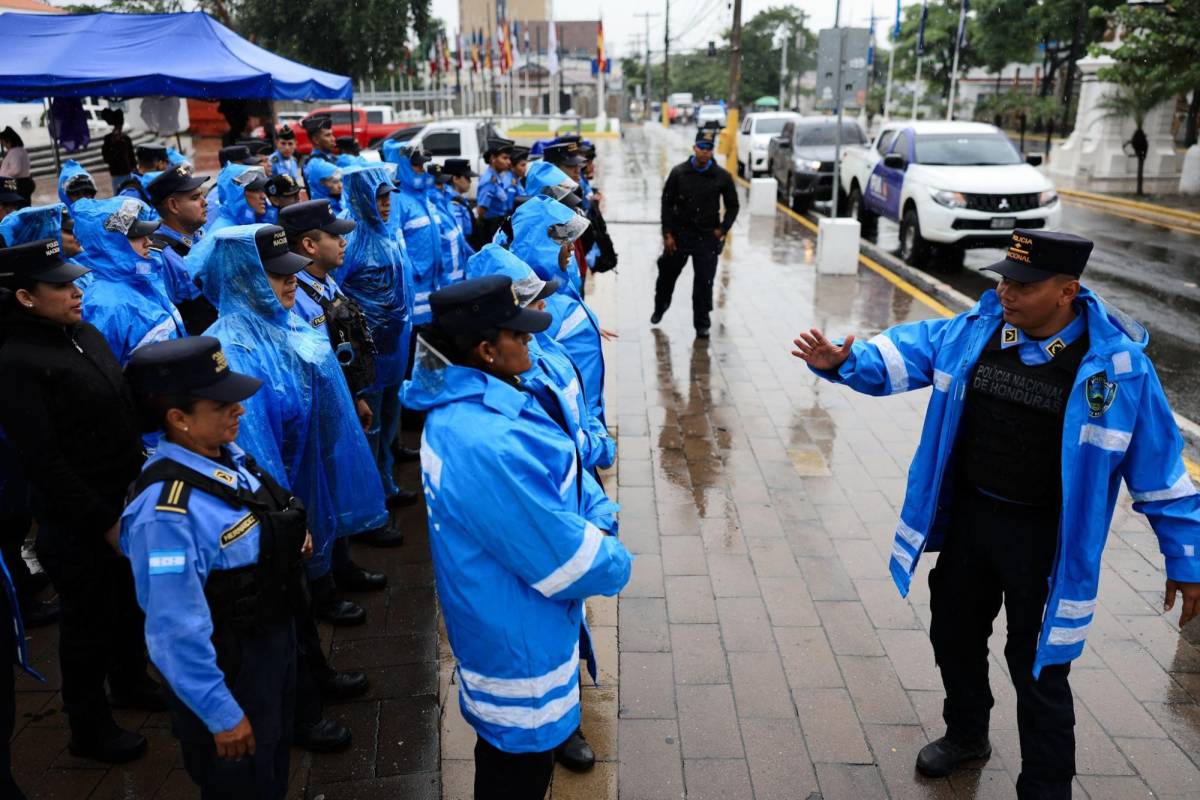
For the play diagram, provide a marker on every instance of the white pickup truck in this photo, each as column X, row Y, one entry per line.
column 951, row 186
column 449, row 138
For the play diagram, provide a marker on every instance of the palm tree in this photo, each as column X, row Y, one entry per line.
column 1138, row 89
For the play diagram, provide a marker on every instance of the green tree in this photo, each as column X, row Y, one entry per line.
column 1140, row 87
column 937, row 63
column 760, row 73
column 1168, row 37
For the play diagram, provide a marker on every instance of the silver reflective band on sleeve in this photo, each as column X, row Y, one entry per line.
column 521, row 716
column 159, row 333
column 1180, row 488
column 576, row 566
column 526, row 688
column 910, row 535
column 1105, row 438
column 431, row 464
column 422, row 296
column 1068, row 635
column 902, row 557
column 568, row 481
column 572, row 322
column 423, row 309
column 897, row 372
column 1076, row 609
column 572, row 395
column 414, row 224
column 941, row 380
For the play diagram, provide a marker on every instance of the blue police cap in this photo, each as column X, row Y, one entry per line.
column 706, row 138
column 194, row 366
column 39, row 260
column 1037, row 255
column 272, row 244
column 172, row 181
column 482, row 303
column 313, row 215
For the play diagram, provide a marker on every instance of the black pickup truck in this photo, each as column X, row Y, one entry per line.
column 800, row 158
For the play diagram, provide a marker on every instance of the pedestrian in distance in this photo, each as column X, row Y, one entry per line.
column 69, row 415
column 693, row 227
column 117, row 150
column 15, row 164
column 524, row 533
column 1043, row 402
column 283, row 160
column 216, row 546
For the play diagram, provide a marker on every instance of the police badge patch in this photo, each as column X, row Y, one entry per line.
column 1100, row 394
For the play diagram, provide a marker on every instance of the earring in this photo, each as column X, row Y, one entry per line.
column 29, row 305
column 491, row 360
column 186, row 428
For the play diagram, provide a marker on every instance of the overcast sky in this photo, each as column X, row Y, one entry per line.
column 693, row 22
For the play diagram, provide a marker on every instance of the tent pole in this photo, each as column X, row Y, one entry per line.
column 352, row 115
column 53, row 138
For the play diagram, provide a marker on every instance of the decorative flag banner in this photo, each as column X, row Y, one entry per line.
column 921, row 28
column 962, row 24
column 552, row 50
column 601, row 63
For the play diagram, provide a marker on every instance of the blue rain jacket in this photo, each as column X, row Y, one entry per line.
column 463, row 213
column 542, row 174
column 496, row 193
column 172, row 555
column 143, row 181
column 126, row 299
column 31, row 224
column 315, row 171
column 172, row 268
column 376, row 275
column 518, row 539
column 301, row 425
column 175, row 158
column 551, row 362
column 70, row 169
column 285, row 166
column 533, row 245
column 233, row 208
column 1117, row 426
column 455, row 249
column 414, row 217
column 344, row 160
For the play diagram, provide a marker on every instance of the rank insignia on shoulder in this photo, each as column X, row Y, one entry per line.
column 174, row 497
column 318, row 321
column 1009, row 336
column 240, row 529
column 1100, row 393
column 1055, row 347
column 225, row 477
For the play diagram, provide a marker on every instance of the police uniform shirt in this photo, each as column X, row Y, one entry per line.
column 310, row 310
column 175, row 536
column 462, row 205
column 285, row 166
column 496, row 194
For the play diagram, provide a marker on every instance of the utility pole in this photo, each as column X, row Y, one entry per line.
column 646, row 17
column 735, row 77
column 666, row 112
column 783, row 73
column 839, row 95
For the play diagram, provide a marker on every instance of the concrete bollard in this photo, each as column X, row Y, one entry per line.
column 762, row 197
column 837, row 246
column 1189, row 178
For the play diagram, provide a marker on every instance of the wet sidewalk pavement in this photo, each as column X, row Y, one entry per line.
column 764, row 651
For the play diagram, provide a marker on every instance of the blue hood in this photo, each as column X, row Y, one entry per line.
column 31, row 224
column 108, row 252
column 175, row 158
column 234, row 208
column 318, row 170
column 232, row 262
column 542, row 174
column 408, row 179
column 495, row 260
column 346, row 160
column 436, row 382
column 360, row 187
column 69, row 170
column 532, row 243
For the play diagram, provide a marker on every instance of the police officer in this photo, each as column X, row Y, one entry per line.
column 282, row 191
column 283, row 160
column 320, row 132
column 693, row 228
column 178, row 197
column 151, row 160
column 496, row 194
column 459, row 172
column 216, row 546
column 1043, row 399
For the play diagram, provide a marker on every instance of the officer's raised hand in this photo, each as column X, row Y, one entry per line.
column 235, row 743
column 669, row 244
column 1191, row 600
column 818, row 352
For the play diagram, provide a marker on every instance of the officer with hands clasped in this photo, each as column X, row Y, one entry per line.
column 216, row 547
column 1043, row 400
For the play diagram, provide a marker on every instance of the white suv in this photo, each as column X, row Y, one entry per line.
column 755, row 134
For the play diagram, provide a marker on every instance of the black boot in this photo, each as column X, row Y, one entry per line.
column 386, row 536
column 575, row 753
column 114, row 746
column 343, row 685
column 403, row 499
column 353, row 578
column 942, row 757
column 325, row 736
column 404, row 455
column 40, row 613
column 145, row 695
column 656, row 317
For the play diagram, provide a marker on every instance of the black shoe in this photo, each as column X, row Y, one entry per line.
column 354, row 578
column 942, row 757
column 34, row 584
column 656, row 317
column 147, row 695
column 404, row 455
column 386, row 536
column 340, row 613
column 343, row 685
column 39, row 613
column 403, row 499
column 701, row 333
column 325, row 736
column 575, row 753
column 118, row 746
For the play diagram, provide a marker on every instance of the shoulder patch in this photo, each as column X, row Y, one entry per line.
column 318, row 321
column 239, row 529
column 220, row 474
column 167, row 562
column 174, row 497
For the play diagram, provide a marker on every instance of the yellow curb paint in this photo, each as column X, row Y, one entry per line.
column 1103, row 209
column 1165, row 211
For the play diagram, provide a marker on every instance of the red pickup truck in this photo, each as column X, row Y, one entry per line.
column 371, row 124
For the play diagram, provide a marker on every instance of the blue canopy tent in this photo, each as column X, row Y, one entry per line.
column 136, row 55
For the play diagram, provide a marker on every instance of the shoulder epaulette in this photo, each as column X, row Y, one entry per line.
column 174, row 497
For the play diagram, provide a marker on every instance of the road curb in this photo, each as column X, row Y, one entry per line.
column 1137, row 205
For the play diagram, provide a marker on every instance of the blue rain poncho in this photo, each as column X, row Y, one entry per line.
column 175, row 158
column 533, row 245
column 551, row 362
column 317, row 170
column 69, row 170
column 126, row 299
column 518, row 534
column 542, row 174
column 455, row 249
column 414, row 219
column 375, row 274
column 233, row 210
column 347, row 160
column 301, row 425
column 31, row 224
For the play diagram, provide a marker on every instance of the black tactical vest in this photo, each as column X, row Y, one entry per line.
column 350, row 337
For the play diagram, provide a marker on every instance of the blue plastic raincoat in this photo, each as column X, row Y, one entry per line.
column 317, row 170
column 233, row 208
column 31, row 224
column 70, row 169
column 175, row 158
column 301, row 425
column 496, row 193
column 518, row 533
column 415, row 217
column 1117, row 426
column 126, row 299
column 551, row 362
column 375, row 274
column 542, row 174
column 455, row 249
